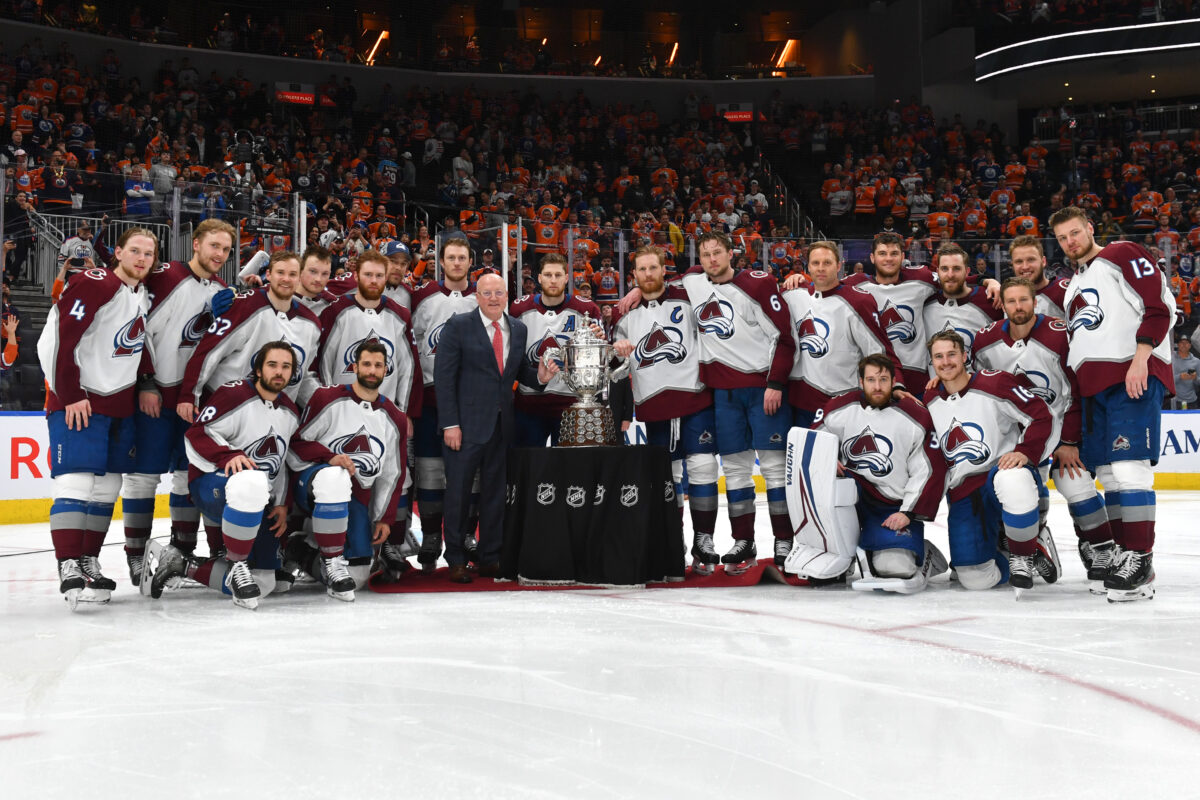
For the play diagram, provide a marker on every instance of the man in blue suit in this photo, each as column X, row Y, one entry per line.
column 480, row 356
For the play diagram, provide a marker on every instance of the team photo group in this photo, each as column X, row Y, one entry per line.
column 309, row 424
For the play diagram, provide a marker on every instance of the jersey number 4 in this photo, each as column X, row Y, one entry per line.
column 77, row 311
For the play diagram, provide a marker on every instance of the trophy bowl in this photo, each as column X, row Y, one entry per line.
column 586, row 369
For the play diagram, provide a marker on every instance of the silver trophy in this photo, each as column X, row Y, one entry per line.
column 587, row 369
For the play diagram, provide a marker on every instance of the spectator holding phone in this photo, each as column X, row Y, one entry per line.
column 1185, row 365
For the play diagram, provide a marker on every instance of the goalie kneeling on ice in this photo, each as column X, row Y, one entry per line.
column 824, row 516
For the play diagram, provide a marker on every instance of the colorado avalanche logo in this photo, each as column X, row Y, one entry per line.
column 194, row 329
column 715, row 316
column 1085, row 311
column 130, row 339
column 899, row 323
column 964, row 442
column 868, row 452
column 547, row 342
column 348, row 353
column 1038, row 383
column 813, row 334
column 966, row 334
column 434, row 337
column 365, row 450
column 267, row 453
column 660, row 344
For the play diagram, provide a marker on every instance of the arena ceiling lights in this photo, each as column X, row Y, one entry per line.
column 1077, row 45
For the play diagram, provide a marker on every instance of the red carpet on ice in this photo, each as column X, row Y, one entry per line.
column 416, row 581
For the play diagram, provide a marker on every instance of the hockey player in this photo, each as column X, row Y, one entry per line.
column 1029, row 262
column 551, row 317
column 887, row 444
column 993, row 433
column 313, row 289
column 835, row 326
column 432, row 305
column 89, row 351
column 399, row 258
column 746, row 353
column 665, row 370
column 1034, row 347
column 957, row 306
column 236, row 450
column 184, row 300
column 349, row 460
column 256, row 317
column 1120, row 312
column 364, row 316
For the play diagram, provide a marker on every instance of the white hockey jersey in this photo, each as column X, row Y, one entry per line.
column 91, row 345
column 993, row 415
column 1121, row 297
column 892, row 453
column 374, row 435
column 231, row 341
column 966, row 316
column 550, row 326
column 346, row 324
column 236, row 420
column 665, row 363
column 1040, row 360
column 433, row 305
column 833, row 331
column 1050, row 299
column 177, row 321
column 901, row 306
column 745, row 330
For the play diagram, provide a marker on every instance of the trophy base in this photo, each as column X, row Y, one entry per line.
column 587, row 427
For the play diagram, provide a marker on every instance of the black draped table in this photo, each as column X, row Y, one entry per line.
column 603, row 516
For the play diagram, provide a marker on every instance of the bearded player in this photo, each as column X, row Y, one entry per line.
column 1120, row 312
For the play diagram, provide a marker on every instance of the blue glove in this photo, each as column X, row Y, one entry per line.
column 221, row 302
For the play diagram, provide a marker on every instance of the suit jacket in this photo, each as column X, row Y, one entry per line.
column 471, row 392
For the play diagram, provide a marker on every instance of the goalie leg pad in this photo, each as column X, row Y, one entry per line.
column 821, row 506
column 933, row 564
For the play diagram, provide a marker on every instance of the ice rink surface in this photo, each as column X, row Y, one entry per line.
column 769, row 691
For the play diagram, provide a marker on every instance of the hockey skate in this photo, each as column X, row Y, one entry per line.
column 1099, row 559
column 782, row 548
column 241, row 585
column 1132, row 578
column 1021, row 571
column 1045, row 560
column 338, row 583
column 163, row 568
column 392, row 561
column 430, row 552
column 704, row 557
column 135, row 560
column 741, row 557
column 99, row 586
column 298, row 557
column 71, row 581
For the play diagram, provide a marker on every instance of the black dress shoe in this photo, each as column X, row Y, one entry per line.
column 458, row 574
column 489, row 570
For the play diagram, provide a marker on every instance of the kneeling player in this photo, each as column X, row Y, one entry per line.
column 348, row 457
column 236, row 471
column 886, row 443
column 993, row 433
column 1034, row 346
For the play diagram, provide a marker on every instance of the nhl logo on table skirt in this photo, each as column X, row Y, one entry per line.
column 668, row 491
column 576, row 496
column 629, row 495
column 545, row 493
